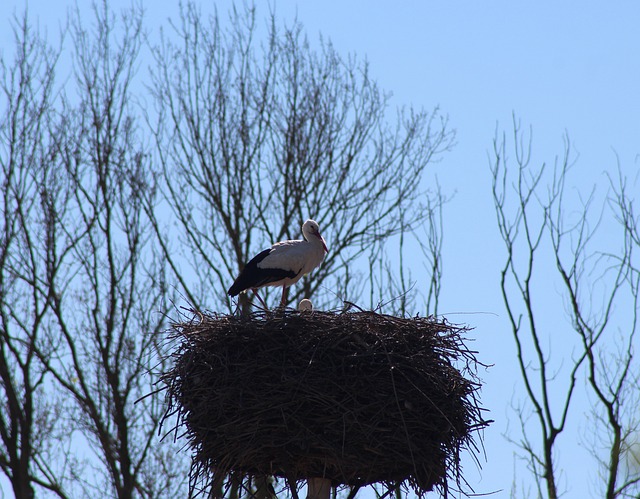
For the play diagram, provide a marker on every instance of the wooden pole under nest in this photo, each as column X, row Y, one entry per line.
column 317, row 488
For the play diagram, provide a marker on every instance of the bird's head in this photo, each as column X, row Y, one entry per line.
column 311, row 229
column 305, row 305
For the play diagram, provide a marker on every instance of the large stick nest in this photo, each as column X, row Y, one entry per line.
column 356, row 397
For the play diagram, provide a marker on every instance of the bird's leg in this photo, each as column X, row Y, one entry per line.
column 283, row 301
column 264, row 305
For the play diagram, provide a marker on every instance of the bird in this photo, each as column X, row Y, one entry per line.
column 305, row 305
column 283, row 264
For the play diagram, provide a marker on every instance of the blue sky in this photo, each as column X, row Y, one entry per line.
column 559, row 66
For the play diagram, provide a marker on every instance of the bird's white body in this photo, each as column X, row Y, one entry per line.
column 300, row 256
column 284, row 263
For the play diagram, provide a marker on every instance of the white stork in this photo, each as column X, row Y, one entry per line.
column 283, row 264
column 305, row 305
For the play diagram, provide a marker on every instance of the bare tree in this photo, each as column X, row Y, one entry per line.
column 28, row 425
column 597, row 283
column 614, row 376
column 256, row 134
column 109, row 315
column 83, row 294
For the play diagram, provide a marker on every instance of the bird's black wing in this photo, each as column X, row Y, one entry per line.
column 253, row 276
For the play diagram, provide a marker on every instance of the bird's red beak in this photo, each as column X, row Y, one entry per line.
column 324, row 245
